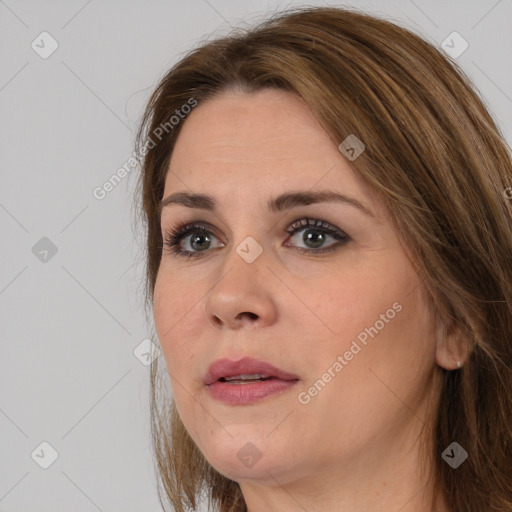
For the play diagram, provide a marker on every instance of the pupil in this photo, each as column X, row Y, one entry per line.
column 317, row 241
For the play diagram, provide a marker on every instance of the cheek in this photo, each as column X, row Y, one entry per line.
column 177, row 315
column 176, row 329
column 389, row 357
column 350, row 301
column 381, row 308
column 375, row 384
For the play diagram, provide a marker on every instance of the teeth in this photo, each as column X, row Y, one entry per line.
column 254, row 376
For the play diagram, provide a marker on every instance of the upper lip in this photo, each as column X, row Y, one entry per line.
column 245, row 366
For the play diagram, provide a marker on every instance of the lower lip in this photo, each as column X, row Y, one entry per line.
column 242, row 394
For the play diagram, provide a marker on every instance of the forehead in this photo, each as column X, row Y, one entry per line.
column 250, row 127
column 259, row 144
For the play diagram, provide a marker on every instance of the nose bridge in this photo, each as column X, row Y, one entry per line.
column 245, row 259
column 248, row 232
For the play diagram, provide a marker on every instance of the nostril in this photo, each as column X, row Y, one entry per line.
column 252, row 316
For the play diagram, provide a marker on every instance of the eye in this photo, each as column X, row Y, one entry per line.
column 315, row 233
column 198, row 237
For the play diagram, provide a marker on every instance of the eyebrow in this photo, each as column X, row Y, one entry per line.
column 277, row 204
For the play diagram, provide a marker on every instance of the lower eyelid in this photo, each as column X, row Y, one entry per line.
column 333, row 246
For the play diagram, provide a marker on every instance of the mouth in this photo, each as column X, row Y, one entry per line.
column 246, row 381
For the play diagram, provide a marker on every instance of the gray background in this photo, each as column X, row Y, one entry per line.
column 72, row 320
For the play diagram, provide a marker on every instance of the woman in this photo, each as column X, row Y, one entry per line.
column 330, row 272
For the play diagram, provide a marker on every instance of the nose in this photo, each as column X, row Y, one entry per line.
column 244, row 295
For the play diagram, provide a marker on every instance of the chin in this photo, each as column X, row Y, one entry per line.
column 258, row 469
column 253, row 457
column 245, row 454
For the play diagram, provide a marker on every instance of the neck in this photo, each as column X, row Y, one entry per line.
column 386, row 489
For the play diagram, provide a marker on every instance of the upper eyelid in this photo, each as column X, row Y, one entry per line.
column 297, row 225
column 318, row 223
column 173, row 225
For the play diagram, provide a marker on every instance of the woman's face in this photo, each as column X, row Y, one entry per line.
column 349, row 327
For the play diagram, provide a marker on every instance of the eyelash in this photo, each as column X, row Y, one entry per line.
column 175, row 235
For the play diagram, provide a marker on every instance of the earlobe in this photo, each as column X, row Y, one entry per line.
column 451, row 348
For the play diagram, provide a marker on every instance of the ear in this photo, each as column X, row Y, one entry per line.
column 452, row 347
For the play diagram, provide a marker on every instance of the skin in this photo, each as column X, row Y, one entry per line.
column 355, row 445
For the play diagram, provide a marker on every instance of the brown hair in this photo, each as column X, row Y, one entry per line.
column 439, row 163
